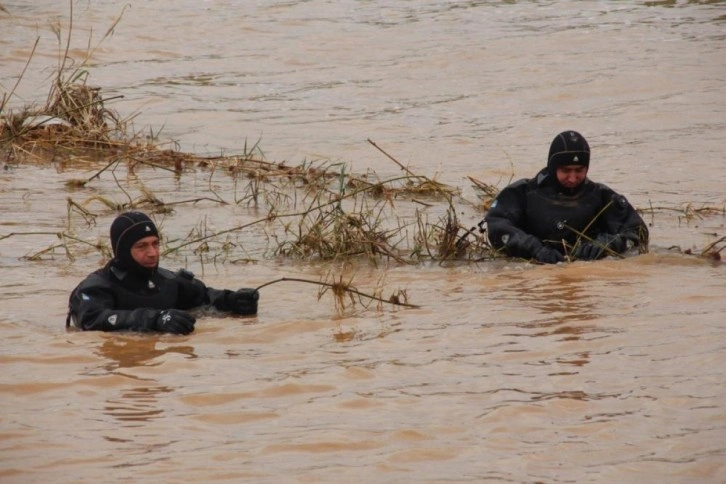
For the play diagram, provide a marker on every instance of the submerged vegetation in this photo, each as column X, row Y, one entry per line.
column 310, row 211
column 314, row 210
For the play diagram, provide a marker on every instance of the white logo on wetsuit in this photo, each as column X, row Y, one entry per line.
column 112, row 319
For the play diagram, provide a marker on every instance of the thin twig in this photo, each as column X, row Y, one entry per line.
column 20, row 77
column 98, row 173
column 15, row 234
column 334, row 286
column 712, row 246
column 393, row 159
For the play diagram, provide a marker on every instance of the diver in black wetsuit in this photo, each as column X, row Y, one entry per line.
column 560, row 212
column 132, row 293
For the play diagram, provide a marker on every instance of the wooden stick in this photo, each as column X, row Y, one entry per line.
column 334, row 286
column 394, row 160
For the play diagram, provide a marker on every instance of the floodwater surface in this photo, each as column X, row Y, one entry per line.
column 607, row 371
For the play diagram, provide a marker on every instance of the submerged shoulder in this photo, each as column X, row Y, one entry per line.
column 608, row 194
column 166, row 273
column 95, row 283
column 600, row 187
column 99, row 278
column 603, row 188
column 517, row 187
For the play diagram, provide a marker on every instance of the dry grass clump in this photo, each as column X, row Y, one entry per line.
column 327, row 231
column 484, row 191
column 74, row 117
column 445, row 240
column 76, row 122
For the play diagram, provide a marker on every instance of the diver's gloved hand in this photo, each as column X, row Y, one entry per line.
column 548, row 255
column 175, row 321
column 597, row 248
column 242, row 301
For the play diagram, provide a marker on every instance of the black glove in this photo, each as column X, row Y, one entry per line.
column 596, row 249
column 242, row 301
column 175, row 321
column 548, row 255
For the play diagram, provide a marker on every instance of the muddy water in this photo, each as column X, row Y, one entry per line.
column 610, row 371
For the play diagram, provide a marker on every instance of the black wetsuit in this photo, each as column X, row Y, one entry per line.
column 534, row 212
column 111, row 299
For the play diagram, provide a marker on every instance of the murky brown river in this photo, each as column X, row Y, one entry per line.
column 608, row 371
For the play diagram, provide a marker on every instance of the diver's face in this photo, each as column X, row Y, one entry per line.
column 571, row 176
column 146, row 251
